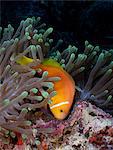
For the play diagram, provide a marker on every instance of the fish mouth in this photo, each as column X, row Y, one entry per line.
column 60, row 116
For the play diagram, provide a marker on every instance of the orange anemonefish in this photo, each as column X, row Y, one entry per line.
column 65, row 88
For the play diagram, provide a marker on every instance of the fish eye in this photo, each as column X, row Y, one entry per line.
column 61, row 110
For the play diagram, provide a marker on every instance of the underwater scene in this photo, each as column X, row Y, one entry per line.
column 56, row 75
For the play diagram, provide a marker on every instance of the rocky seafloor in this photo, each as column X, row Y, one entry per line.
column 89, row 128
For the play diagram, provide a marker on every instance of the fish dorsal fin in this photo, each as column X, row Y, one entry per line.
column 48, row 61
column 51, row 62
column 24, row 60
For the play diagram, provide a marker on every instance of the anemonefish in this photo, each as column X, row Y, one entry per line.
column 65, row 88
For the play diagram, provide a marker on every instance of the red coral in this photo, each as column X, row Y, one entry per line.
column 19, row 137
column 110, row 131
column 103, row 137
column 96, row 139
column 43, row 145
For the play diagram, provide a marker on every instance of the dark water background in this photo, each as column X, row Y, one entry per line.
column 74, row 21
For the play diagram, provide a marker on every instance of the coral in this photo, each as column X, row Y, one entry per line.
column 103, row 138
column 86, row 123
column 25, row 93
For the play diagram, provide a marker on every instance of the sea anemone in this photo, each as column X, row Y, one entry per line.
column 18, row 83
column 23, row 91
